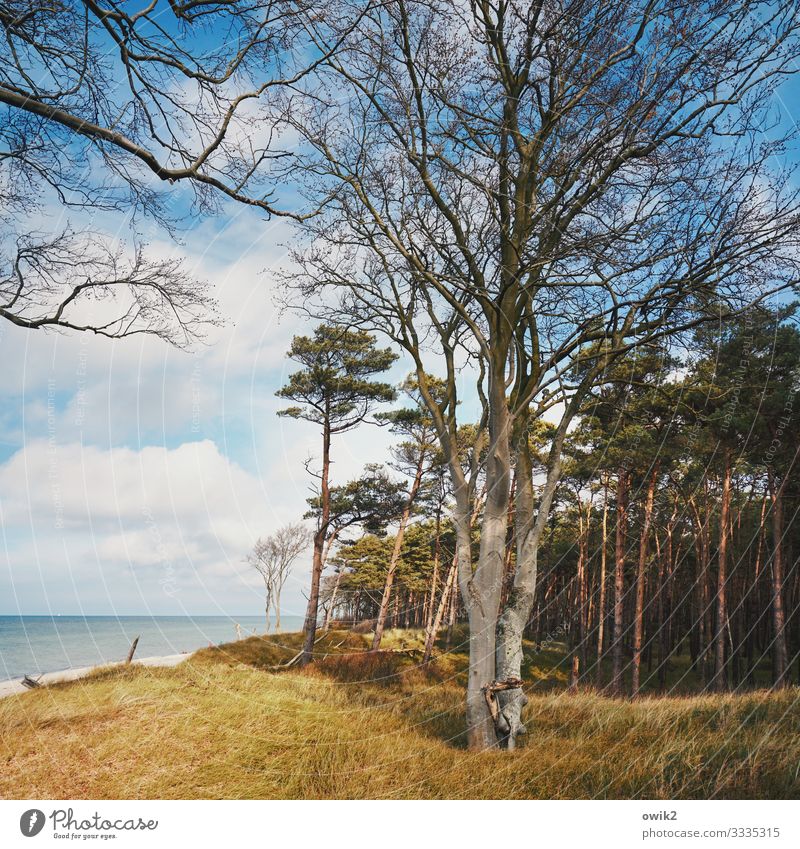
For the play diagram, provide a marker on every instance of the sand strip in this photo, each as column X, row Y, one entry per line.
column 14, row 686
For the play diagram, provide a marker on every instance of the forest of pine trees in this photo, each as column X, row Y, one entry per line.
column 669, row 562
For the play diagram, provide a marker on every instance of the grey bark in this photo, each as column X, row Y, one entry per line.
column 511, row 626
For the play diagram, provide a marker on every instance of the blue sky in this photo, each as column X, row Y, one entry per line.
column 134, row 477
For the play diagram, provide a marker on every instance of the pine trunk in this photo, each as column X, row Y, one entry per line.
column 641, row 578
column 720, row 680
column 780, row 653
column 318, row 562
column 601, row 604
column 619, row 585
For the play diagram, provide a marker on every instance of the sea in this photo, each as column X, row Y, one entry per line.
column 30, row 645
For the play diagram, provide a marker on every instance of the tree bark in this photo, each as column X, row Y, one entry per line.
column 437, row 556
column 619, row 584
column 436, row 624
column 383, row 610
column 583, row 587
column 720, row 680
column 528, row 533
column 267, row 605
column 661, row 630
column 780, row 653
column 641, row 578
column 701, row 588
column 601, row 604
column 310, row 624
column 482, row 589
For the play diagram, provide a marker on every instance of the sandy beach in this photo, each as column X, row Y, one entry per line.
column 14, row 686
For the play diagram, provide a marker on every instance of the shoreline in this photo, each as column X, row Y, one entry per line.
column 14, row 686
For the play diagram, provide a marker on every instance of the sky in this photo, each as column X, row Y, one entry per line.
column 135, row 477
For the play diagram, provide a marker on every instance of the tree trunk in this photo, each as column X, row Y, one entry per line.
column 619, row 584
column 332, row 603
column 398, row 546
column 437, row 556
column 601, row 604
column 512, row 622
column 720, row 680
column 267, row 606
column 310, row 624
column 436, row 624
column 641, row 576
column 583, row 593
column 753, row 592
column 508, row 567
column 481, row 589
column 528, row 532
column 661, row 629
column 701, row 588
column 781, row 655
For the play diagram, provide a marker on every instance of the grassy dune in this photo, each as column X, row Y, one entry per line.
column 227, row 725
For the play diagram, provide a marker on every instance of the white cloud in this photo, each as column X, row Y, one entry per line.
column 124, row 518
column 125, row 460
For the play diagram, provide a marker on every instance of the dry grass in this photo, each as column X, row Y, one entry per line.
column 225, row 725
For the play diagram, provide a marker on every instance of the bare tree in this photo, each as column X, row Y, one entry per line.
column 525, row 192
column 272, row 557
column 100, row 106
column 178, row 90
column 80, row 282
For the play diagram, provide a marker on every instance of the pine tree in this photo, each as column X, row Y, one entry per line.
column 335, row 389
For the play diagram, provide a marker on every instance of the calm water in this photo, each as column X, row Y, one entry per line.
column 33, row 644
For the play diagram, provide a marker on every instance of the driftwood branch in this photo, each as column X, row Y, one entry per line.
column 298, row 655
column 132, row 651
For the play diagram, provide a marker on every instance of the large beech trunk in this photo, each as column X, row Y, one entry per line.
column 512, row 622
column 515, row 616
column 482, row 614
column 481, row 587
